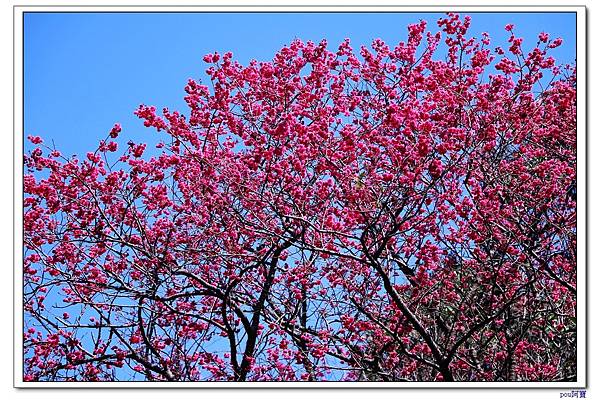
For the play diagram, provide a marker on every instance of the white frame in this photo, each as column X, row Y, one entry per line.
column 228, row 7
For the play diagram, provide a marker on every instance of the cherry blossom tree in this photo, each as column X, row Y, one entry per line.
column 396, row 214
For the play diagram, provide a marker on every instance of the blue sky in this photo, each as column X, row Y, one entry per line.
column 85, row 71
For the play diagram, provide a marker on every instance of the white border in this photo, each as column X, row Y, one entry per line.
column 581, row 196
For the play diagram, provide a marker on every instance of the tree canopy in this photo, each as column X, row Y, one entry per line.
column 400, row 213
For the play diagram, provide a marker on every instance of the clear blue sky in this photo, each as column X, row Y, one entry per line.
column 86, row 71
